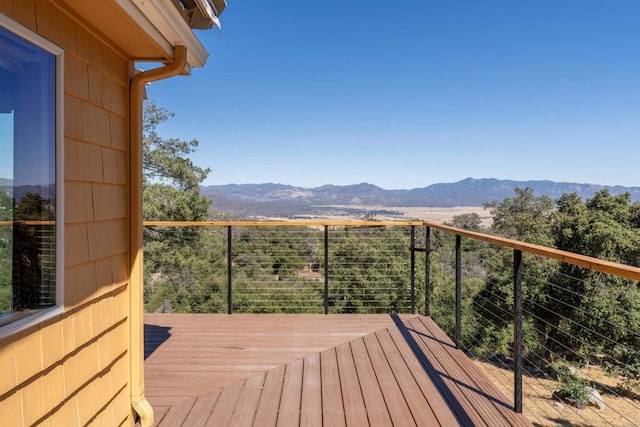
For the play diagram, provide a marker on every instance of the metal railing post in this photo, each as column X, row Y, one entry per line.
column 326, row 269
column 427, row 267
column 413, row 269
column 517, row 330
column 229, row 276
column 458, row 331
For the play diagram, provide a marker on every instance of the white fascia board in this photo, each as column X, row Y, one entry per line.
column 164, row 23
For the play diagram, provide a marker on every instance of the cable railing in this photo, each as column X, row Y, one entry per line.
column 283, row 267
column 556, row 330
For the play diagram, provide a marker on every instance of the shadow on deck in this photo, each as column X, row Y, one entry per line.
column 331, row 370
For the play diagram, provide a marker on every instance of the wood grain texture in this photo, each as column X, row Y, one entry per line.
column 324, row 370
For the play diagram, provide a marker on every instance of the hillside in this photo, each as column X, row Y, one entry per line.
column 285, row 200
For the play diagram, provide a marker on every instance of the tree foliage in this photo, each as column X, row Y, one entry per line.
column 177, row 272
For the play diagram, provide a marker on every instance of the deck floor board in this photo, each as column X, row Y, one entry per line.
column 333, row 370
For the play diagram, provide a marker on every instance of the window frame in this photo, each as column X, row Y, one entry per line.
column 37, row 316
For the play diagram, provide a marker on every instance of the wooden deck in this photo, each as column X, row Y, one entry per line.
column 331, row 370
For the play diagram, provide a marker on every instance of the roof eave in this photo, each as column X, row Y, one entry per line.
column 162, row 21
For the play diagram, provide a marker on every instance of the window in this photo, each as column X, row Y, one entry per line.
column 30, row 176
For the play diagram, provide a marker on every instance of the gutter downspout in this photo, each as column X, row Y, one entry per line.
column 136, row 94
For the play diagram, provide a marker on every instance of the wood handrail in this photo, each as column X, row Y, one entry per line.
column 280, row 223
column 29, row 222
column 597, row 264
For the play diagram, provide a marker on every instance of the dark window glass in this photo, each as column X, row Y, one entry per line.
column 27, row 176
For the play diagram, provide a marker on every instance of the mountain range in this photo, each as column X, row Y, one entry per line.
column 284, row 200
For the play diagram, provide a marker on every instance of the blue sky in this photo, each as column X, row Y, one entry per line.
column 409, row 93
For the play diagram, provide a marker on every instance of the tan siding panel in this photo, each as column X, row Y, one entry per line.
column 84, row 39
column 78, row 202
column 116, row 97
column 120, row 268
column 99, row 54
column 6, row 8
column 88, row 405
column 120, row 236
column 73, row 117
column 119, row 68
column 7, row 361
column 123, row 170
column 76, row 79
column 28, row 356
column 96, row 125
column 71, row 160
column 75, row 373
column 68, row 34
column 119, row 132
column 33, row 397
column 76, row 250
column 70, row 291
column 100, row 240
column 68, row 414
column 53, row 341
column 104, row 276
column 110, row 165
column 11, row 410
column 110, row 201
column 25, row 13
column 105, row 311
column 86, row 289
column 96, row 86
column 83, row 329
column 48, row 21
column 120, row 306
column 54, row 391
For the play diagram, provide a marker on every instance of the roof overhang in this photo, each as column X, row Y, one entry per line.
column 148, row 30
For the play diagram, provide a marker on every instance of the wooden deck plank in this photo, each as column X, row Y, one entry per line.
column 393, row 397
column 202, row 409
column 482, row 395
column 450, row 383
column 328, row 370
column 178, row 412
column 289, row 409
column 225, row 405
column 267, row 411
column 332, row 399
column 436, row 402
column 245, row 411
column 416, row 400
column 159, row 412
column 355, row 410
column 498, row 400
column 311, row 405
column 373, row 399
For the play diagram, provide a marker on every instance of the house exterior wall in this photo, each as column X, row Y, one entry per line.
column 74, row 369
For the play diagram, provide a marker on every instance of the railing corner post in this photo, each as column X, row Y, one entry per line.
column 458, row 331
column 229, row 275
column 427, row 267
column 517, row 330
column 326, row 269
column 413, row 269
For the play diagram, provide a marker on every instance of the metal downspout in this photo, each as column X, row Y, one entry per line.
column 136, row 93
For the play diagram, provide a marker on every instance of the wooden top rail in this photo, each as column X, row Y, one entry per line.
column 12, row 223
column 622, row 270
column 279, row 223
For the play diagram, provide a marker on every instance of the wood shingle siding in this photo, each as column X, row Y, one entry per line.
column 74, row 369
